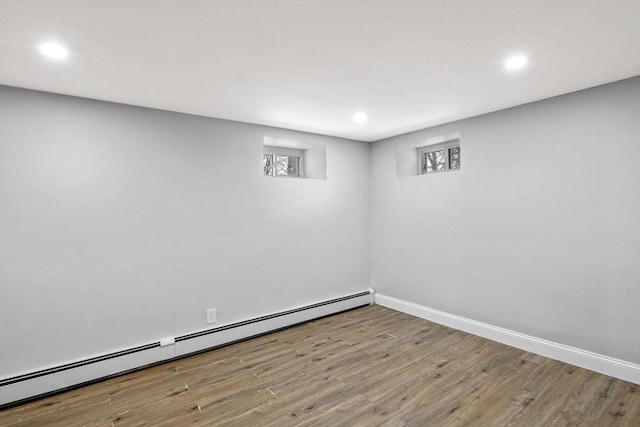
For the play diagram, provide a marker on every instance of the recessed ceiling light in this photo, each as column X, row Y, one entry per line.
column 516, row 62
column 54, row 50
column 360, row 117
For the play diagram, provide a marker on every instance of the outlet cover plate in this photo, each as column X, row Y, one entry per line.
column 211, row 315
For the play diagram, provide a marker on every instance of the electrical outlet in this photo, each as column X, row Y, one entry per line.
column 211, row 315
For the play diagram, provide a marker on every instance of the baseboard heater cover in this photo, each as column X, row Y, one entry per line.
column 19, row 389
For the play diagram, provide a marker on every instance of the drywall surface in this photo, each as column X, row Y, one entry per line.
column 121, row 225
column 539, row 232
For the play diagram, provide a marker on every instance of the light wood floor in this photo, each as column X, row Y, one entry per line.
column 367, row 367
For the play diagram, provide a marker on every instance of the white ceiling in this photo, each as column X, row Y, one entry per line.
column 310, row 65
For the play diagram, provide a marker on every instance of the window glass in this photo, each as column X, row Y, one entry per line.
column 287, row 166
column 267, row 164
column 454, row 158
column 433, row 161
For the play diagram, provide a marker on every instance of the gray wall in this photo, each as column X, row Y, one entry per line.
column 121, row 225
column 539, row 232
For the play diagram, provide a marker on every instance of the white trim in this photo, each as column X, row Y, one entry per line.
column 90, row 372
column 617, row 368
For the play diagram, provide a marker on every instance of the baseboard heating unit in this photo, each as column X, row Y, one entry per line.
column 40, row 383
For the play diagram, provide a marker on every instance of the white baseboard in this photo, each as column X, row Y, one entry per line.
column 621, row 369
column 38, row 383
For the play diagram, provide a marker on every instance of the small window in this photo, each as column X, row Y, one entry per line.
column 280, row 164
column 288, row 158
column 439, row 157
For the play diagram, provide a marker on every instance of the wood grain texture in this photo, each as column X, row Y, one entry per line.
column 366, row 367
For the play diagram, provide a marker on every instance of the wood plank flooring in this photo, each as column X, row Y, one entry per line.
column 367, row 367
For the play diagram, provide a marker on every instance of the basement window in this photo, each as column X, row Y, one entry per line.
column 286, row 158
column 281, row 165
column 282, row 162
column 439, row 157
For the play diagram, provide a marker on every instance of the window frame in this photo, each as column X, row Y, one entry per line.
column 443, row 146
column 283, row 152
